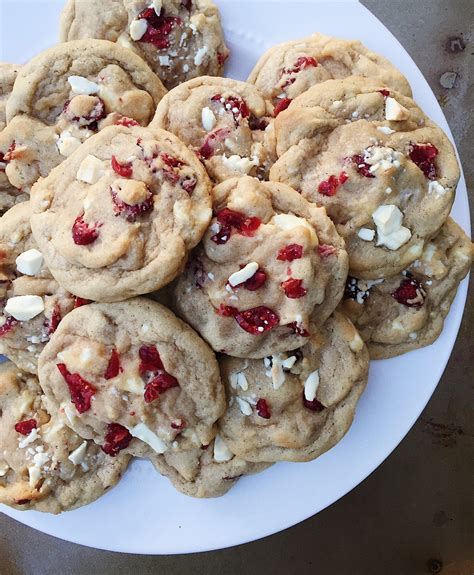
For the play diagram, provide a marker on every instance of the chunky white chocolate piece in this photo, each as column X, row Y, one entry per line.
column 366, row 234
column 145, row 434
column 244, row 406
column 164, row 60
column 208, row 119
column 30, row 262
column 91, row 170
column 278, row 375
column 289, row 362
column 385, row 130
column 244, row 274
column 290, row 221
column 83, row 86
column 138, row 29
column 30, row 438
column 436, row 188
column 77, row 456
column 34, row 476
column 157, row 5
column 311, row 386
column 239, row 164
column 200, row 55
column 394, row 111
column 25, row 307
column 67, row 143
column 356, row 344
column 221, row 452
column 395, row 240
column 387, row 218
column 132, row 192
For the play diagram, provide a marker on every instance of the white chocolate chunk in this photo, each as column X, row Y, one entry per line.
column 244, row 406
column 200, row 55
column 91, row 170
column 356, row 344
column 436, row 188
column 77, row 456
column 244, row 274
column 25, row 307
column 394, row 111
column 4, row 467
column 290, row 221
column 366, row 234
column 34, row 476
column 385, row 130
column 67, row 143
column 164, row 60
column 242, row 381
column 278, row 375
column 311, row 386
column 157, row 5
column 239, row 164
column 138, row 29
column 40, row 459
column 395, row 240
column 387, row 218
column 289, row 362
column 81, row 85
column 30, row 262
column 208, row 119
column 221, row 452
column 30, row 438
column 141, row 431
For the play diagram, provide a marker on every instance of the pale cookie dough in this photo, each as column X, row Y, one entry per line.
column 268, row 263
column 8, row 74
column 289, row 69
column 43, row 464
column 385, row 173
column 132, row 376
column 407, row 311
column 31, row 302
column 180, row 39
column 226, row 122
column 295, row 406
column 119, row 216
column 65, row 95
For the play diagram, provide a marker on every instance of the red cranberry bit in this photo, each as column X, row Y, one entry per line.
column 293, row 288
column 117, row 438
column 343, row 177
column 255, row 282
column 81, row 390
column 257, row 320
column 361, row 166
column 227, row 311
column 229, row 219
column 123, row 170
column 26, row 427
column 298, row 329
column 196, row 268
column 114, row 367
column 80, row 301
column 8, row 326
column 82, row 233
column 188, row 4
column 263, row 409
column 152, row 367
column 257, row 123
column 159, row 384
column 233, row 104
column 300, row 64
column 325, row 250
column 171, row 161
column 384, row 93
column 159, row 27
column 51, row 324
column 410, row 293
column 314, row 405
column 222, row 58
column 10, row 155
column 180, row 424
column 329, row 187
column 208, row 148
column 290, row 253
column 150, row 359
column 127, row 122
column 423, row 156
column 131, row 213
column 281, row 105
column 189, row 184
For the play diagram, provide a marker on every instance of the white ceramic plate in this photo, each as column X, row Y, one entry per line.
column 144, row 514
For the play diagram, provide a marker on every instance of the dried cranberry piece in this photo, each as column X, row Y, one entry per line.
column 222, row 58
column 229, row 219
column 127, row 122
column 180, row 426
column 301, row 63
column 343, row 177
column 257, row 123
column 314, row 405
column 293, row 288
column 98, row 113
column 361, row 166
column 255, row 282
column 227, row 311
column 26, row 427
column 281, row 105
column 117, row 438
column 123, row 170
column 410, row 293
column 298, row 329
column 384, row 93
column 189, row 184
column 82, row 233
column 152, row 367
column 233, row 104
column 9, row 324
column 131, row 213
column 325, row 250
column 196, row 268
column 188, row 4
column 150, row 360
column 263, row 410
column 80, row 301
column 423, row 156
column 114, row 367
column 159, row 384
column 290, row 253
column 159, row 27
column 10, row 155
column 2, row 161
column 329, row 187
column 208, row 148
column 81, row 390
column 257, row 320
column 171, row 161
column 52, row 323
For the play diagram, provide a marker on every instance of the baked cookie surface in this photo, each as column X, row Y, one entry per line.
column 297, row 405
column 43, row 464
column 226, row 122
column 407, row 311
column 268, row 263
column 179, row 40
column 384, row 172
column 119, row 216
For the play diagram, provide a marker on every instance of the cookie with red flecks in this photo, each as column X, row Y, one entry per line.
column 407, row 311
column 44, row 465
column 385, row 173
column 268, row 263
column 180, row 39
column 118, row 217
column 226, row 122
column 65, row 95
column 289, row 69
column 132, row 376
column 294, row 406
column 31, row 302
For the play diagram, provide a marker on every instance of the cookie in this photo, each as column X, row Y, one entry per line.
column 268, row 263
column 179, row 40
column 43, row 464
column 65, row 95
column 407, row 311
column 205, row 472
column 31, row 302
column 8, row 74
column 133, row 376
column 385, row 173
column 118, row 217
column 297, row 405
column 226, row 122
column 289, row 69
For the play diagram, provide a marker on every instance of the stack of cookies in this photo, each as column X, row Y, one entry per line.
column 198, row 277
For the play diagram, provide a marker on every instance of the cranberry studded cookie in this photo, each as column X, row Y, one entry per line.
column 407, row 311
column 384, row 172
column 268, row 263
column 67, row 94
column 133, row 376
column 289, row 69
column 226, row 122
column 180, row 39
column 297, row 405
column 31, row 302
column 118, row 217
column 44, row 465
